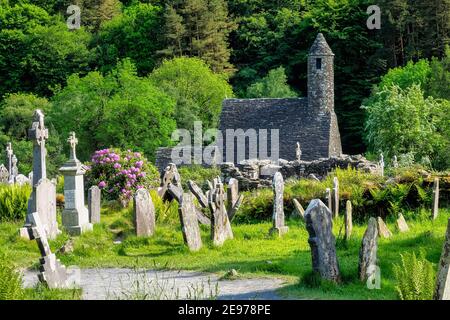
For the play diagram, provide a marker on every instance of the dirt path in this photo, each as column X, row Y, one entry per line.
column 99, row 284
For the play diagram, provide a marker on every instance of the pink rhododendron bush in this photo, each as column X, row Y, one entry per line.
column 120, row 173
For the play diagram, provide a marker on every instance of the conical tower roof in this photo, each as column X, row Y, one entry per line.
column 320, row 47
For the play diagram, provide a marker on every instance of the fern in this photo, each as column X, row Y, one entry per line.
column 10, row 281
column 13, row 201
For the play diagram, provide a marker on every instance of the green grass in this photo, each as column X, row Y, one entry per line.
column 252, row 252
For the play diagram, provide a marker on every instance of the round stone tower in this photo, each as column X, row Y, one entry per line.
column 320, row 76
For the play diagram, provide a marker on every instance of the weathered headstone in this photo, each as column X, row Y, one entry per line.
column 4, row 174
column 329, row 198
column 234, row 198
column 51, row 271
column 395, row 162
column 298, row 152
column 14, row 170
column 435, row 198
column 22, row 180
column 319, row 223
column 383, row 230
column 335, row 197
column 9, row 155
column 170, row 176
column 198, row 193
column 401, row 224
column 94, row 204
column 348, row 220
column 298, row 210
column 381, row 163
column 442, row 290
column 144, row 214
column 278, row 225
column 75, row 216
column 189, row 224
column 368, row 251
column 220, row 223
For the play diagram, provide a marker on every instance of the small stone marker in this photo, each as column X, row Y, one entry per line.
column 144, row 214
column 94, row 204
column 189, row 224
column 75, row 216
column 435, row 198
column 348, row 220
column 442, row 291
column 4, row 174
column 298, row 210
column 383, row 230
column 52, row 272
column 401, row 224
column 220, row 223
column 335, row 197
column 319, row 224
column 368, row 251
column 278, row 207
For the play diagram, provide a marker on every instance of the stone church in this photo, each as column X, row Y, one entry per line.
column 310, row 121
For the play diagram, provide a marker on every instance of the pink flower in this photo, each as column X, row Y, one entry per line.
column 102, row 184
column 117, row 166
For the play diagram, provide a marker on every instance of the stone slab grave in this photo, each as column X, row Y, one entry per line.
column 319, row 224
column 278, row 224
column 234, row 199
column 383, row 230
column 401, row 223
column 348, row 220
column 220, row 223
column 43, row 197
column 94, row 204
column 143, row 214
column 368, row 251
column 189, row 223
column 75, row 216
column 51, row 272
column 442, row 290
column 298, row 210
column 435, row 198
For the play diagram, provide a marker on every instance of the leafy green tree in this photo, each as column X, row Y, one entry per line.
column 117, row 110
column 96, row 12
column 274, row 85
column 198, row 91
column 439, row 84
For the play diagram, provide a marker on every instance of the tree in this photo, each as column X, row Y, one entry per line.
column 96, row 12
column 198, row 91
column 274, row 85
column 117, row 110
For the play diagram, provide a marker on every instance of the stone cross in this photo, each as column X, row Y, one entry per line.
column 381, row 162
column 189, row 224
column 144, row 214
column 9, row 154
column 73, row 141
column 94, row 204
column 319, row 224
column 435, row 198
column 442, row 291
column 38, row 134
column 368, row 251
column 348, row 220
column 278, row 206
column 395, row 162
column 298, row 152
column 335, row 197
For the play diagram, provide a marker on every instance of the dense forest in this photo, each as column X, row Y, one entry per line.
column 136, row 70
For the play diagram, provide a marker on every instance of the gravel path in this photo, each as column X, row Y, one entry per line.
column 100, row 284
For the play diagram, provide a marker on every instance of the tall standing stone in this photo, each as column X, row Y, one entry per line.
column 383, row 230
column 278, row 225
column 329, row 198
column 368, row 251
column 9, row 155
column 220, row 223
column 348, row 220
column 335, row 197
column 144, row 214
column 94, row 204
column 4, row 174
column 442, row 291
column 381, row 163
column 75, row 216
column 189, row 224
column 14, row 170
column 319, row 224
column 435, row 198
column 43, row 196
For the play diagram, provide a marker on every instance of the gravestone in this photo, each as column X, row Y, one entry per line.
column 381, row 163
column 319, row 224
column 335, row 197
column 442, row 290
column 395, row 162
column 401, row 224
column 170, row 176
column 298, row 152
column 329, row 198
column 43, row 197
column 189, row 224
column 51, row 272
column 383, row 230
column 22, row 180
column 278, row 225
column 348, row 220
column 220, row 223
column 298, row 210
column 94, row 204
column 4, row 174
column 143, row 214
column 435, row 198
column 75, row 216
column 9, row 155
column 234, row 199
column 14, row 170
column 198, row 193
column 368, row 251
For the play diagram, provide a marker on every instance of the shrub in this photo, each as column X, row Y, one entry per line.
column 415, row 278
column 10, row 280
column 121, row 173
column 198, row 174
column 14, row 202
column 166, row 212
